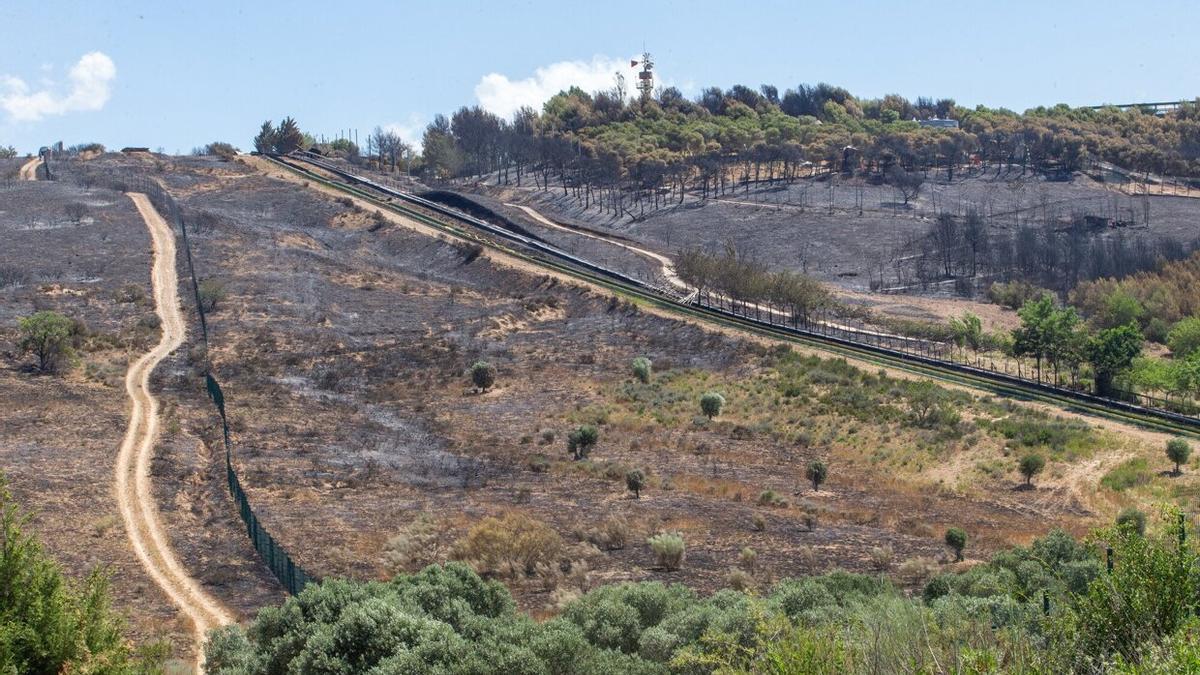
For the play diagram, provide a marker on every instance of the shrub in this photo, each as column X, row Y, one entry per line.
column 220, row 149
column 758, row 523
column 1015, row 294
column 1030, row 466
column 483, row 375
column 748, row 559
column 1178, row 451
column 816, row 472
column 417, row 544
column 771, row 498
column 581, row 441
column 642, row 369
column 668, row 550
column 75, row 211
column 510, row 545
column 711, row 404
column 612, row 534
column 47, row 335
column 810, row 520
column 956, row 539
column 882, row 557
column 1130, row 473
column 635, row 480
column 739, row 580
column 1132, row 519
column 212, row 292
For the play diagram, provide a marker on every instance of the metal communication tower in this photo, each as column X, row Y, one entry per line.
column 646, row 77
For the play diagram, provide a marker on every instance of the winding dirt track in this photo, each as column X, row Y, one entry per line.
column 134, row 496
column 29, row 169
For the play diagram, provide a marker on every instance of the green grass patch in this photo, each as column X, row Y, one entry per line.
column 1128, row 474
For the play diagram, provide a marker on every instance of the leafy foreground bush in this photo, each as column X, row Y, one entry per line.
column 50, row 623
column 989, row 619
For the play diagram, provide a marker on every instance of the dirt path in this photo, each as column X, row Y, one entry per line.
column 29, row 169
column 668, row 268
column 134, row 496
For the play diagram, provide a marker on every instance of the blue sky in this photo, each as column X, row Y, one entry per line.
column 177, row 75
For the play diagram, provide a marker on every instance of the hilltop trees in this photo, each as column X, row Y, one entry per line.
column 282, row 140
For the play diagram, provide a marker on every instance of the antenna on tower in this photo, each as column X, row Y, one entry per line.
column 646, row 77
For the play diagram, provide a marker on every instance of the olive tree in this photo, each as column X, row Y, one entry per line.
column 816, row 472
column 956, row 539
column 581, row 441
column 483, row 375
column 47, row 335
column 1178, row 451
column 1030, row 466
column 635, row 480
column 711, row 404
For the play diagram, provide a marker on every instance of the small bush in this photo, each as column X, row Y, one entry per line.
column 771, row 498
column 758, row 523
column 956, row 539
column 483, row 375
column 418, row 544
column 668, row 550
column 1178, row 451
column 882, row 557
column 816, row 472
column 635, row 480
column 581, row 441
column 612, row 534
column 48, row 336
column 212, row 293
column 810, row 520
column 748, row 559
column 739, row 580
column 711, row 404
column 539, row 463
column 642, row 369
column 1132, row 519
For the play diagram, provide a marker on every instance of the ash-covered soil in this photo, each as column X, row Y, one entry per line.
column 62, row 432
column 343, row 348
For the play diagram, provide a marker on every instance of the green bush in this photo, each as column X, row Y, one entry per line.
column 956, row 539
column 635, row 480
column 816, row 472
column 642, row 369
column 668, row 550
column 1132, row 520
column 211, row 294
column 581, row 441
column 51, row 623
column 711, row 404
column 483, row 375
column 1130, row 473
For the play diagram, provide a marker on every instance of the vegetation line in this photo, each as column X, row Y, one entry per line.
column 134, row 496
column 872, row 356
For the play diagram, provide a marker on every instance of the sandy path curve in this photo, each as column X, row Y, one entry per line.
column 29, row 169
column 134, row 496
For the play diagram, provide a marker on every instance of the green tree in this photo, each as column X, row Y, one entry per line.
column 1184, row 338
column 968, row 332
column 48, row 336
column 816, row 472
column 635, row 480
column 50, row 623
column 1178, row 451
column 1046, row 332
column 711, row 404
column 267, row 138
column 956, row 539
column 288, row 138
column 1111, row 352
column 483, row 375
column 581, row 441
column 1030, row 466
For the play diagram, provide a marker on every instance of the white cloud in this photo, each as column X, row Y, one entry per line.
column 410, row 131
column 90, row 88
column 502, row 96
